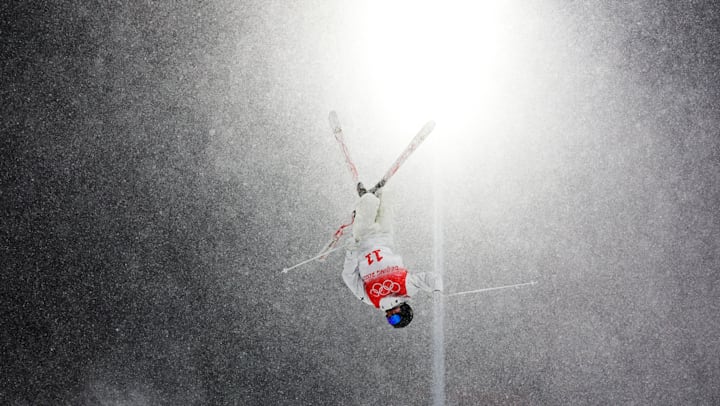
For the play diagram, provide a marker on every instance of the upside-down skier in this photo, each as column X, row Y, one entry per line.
column 372, row 270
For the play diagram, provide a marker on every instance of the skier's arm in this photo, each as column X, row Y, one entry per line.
column 351, row 276
column 427, row 281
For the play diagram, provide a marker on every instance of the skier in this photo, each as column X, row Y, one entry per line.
column 372, row 271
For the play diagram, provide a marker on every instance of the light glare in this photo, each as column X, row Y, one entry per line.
column 432, row 59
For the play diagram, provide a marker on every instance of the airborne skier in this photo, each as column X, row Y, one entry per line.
column 373, row 271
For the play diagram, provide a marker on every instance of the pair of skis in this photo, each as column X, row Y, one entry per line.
column 416, row 141
column 331, row 246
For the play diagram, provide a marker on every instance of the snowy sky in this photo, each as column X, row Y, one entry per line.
column 165, row 160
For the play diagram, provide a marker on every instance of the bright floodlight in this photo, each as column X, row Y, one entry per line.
column 434, row 59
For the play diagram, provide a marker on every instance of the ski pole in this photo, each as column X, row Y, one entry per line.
column 336, row 237
column 322, row 254
column 517, row 285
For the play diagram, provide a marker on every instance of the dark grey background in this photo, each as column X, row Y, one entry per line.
column 162, row 161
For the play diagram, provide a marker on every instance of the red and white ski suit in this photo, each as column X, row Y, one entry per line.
column 372, row 271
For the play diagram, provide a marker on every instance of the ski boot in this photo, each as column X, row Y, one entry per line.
column 375, row 189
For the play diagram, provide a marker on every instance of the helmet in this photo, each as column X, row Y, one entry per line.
column 401, row 318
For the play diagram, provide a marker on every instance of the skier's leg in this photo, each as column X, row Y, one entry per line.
column 385, row 213
column 365, row 214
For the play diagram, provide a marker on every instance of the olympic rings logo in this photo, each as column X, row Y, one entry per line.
column 385, row 288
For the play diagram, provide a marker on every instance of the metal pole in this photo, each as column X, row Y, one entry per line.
column 438, row 298
column 517, row 285
column 318, row 256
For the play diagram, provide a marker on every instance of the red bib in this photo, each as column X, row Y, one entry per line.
column 385, row 282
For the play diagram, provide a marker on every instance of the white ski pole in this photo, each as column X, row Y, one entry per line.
column 323, row 254
column 517, row 285
column 318, row 256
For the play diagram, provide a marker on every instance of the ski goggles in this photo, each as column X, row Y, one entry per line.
column 394, row 319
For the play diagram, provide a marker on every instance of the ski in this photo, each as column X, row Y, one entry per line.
column 416, row 141
column 340, row 137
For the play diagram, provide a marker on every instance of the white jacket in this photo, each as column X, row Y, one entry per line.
column 370, row 263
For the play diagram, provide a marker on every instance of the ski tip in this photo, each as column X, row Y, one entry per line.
column 426, row 130
column 334, row 122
